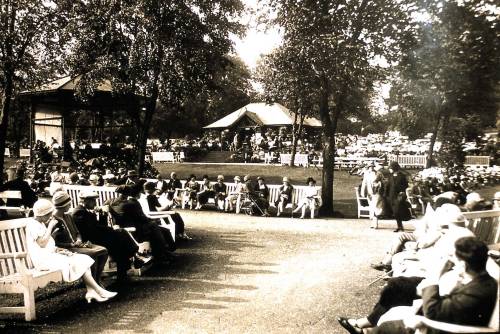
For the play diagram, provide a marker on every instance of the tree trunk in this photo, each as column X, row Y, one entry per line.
column 435, row 130
column 294, row 140
column 328, row 139
column 4, row 120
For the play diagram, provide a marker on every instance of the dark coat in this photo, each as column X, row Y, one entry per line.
column 118, row 243
column 28, row 195
column 395, row 193
column 470, row 304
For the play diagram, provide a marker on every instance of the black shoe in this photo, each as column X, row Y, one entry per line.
column 344, row 322
column 381, row 266
column 397, row 230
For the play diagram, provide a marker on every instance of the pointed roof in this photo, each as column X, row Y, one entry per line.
column 263, row 114
column 67, row 84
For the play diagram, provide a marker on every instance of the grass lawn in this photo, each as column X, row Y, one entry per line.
column 343, row 189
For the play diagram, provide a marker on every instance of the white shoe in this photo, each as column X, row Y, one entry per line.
column 108, row 294
column 93, row 295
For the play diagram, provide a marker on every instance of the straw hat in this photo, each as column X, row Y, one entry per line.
column 42, row 207
column 61, row 199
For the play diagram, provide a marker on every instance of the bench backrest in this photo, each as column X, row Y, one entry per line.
column 10, row 194
column 13, row 244
column 484, row 224
column 106, row 193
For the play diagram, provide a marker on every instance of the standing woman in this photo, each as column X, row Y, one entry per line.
column 46, row 256
column 396, row 195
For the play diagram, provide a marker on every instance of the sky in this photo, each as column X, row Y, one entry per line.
column 257, row 41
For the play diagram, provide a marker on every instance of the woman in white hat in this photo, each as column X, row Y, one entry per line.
column 46, row 256
column 233, row 196
column 285, row 196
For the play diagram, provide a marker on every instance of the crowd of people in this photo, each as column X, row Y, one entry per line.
column 392, row 192
column 438, row 271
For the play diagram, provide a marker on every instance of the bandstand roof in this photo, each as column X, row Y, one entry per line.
column 67, row 83
column 262, row 114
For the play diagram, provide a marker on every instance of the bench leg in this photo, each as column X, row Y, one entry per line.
column 29, row 302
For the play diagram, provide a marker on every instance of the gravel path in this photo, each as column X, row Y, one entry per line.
column 240, row 274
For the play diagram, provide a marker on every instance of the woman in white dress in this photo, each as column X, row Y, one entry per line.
column 46, row 256
column 311, row 199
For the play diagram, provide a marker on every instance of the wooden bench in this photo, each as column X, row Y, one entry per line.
column 17, row 274
column 484, row 225
column 13, row 194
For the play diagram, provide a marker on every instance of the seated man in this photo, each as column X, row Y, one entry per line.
column 127, row 212
column 155, row 206
column 28, row 196
column 118, row 243
column 469, row 302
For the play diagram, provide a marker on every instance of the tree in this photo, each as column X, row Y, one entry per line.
column 448, row 69
column 281, row 74
column 337, row 41
column 28, row 41
column 153, row 52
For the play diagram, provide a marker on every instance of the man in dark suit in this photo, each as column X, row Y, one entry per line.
column 28, row 195
column 119, row 244
column 173, row 184
column 470, row 302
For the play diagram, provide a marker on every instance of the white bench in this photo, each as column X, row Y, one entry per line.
column 17, row 274
column 363, row 205
column 484, row 225
column 300, row 159
column 163, row 156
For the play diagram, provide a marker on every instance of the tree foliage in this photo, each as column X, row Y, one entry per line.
column 153, row 52
column 336, row 44
column 449, row 69
column 28, row 51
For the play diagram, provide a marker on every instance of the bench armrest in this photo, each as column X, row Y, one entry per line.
column 454, row 328
column 17, row 255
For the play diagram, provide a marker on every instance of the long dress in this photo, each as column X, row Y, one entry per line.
column 72, row 266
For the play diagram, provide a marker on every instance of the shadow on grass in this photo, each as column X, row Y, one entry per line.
column 189, row 283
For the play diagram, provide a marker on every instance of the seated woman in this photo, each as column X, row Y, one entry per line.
column 155, row 206
column 192, row 187
column 46, row 256
column 204, row 193
column 66, row 235
column 311, row 199
column 261, row 196
column 220, row 192
column 285, row 196
column 458, row 290
column 232, row 198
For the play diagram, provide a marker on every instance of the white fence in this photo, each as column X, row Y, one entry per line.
column 477, row 160
column 167, row 156
column 300, row 159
